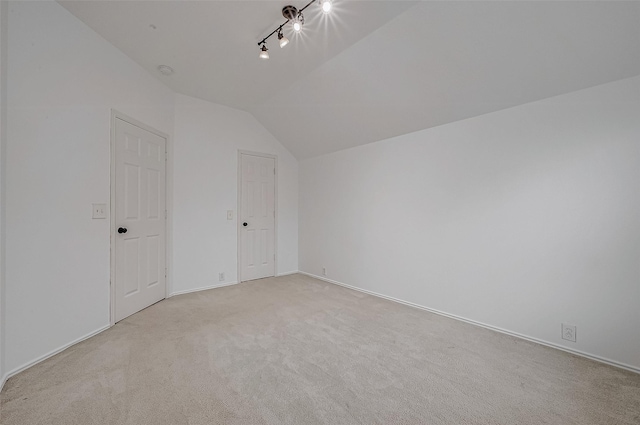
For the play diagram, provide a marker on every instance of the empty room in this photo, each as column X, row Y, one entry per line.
column 319, row 212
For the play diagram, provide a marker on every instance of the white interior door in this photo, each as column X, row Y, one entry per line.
column 140, row 232
column 257, row 217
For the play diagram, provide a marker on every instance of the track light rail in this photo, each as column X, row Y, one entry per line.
column 296, row 17
column 278, row 29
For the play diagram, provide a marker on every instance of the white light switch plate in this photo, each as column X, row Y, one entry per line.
column 99, row 210
column 229, row 214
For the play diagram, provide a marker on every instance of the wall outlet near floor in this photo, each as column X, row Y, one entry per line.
column 324, row 271
column 569, row 332
column 221, row 277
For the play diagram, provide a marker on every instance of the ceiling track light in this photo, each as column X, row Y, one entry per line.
column 326, row 6
column 295, row 16
column 264, row 52
column 282, row 39
column 298, row 22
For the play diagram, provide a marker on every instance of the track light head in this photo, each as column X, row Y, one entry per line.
column 264, row 52
column 326, row 6
column 298, row 22
column 283, row 40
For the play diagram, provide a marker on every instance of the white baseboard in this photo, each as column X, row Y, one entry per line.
column 483, row 325
column 2, row 381
column 50, row 354
column 219, row 285
column 56, row 351
column 202, row 288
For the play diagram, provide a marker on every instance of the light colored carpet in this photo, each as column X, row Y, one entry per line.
column 295, row 350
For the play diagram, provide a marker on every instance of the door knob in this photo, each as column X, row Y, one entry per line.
column 245, row 224
column 122, row 230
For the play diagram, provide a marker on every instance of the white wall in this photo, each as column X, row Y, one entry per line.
column 207, row 140
column 520, row 219
column 4, row 11
column 63, row 81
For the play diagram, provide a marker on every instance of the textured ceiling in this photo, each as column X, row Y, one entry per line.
column 374, row 69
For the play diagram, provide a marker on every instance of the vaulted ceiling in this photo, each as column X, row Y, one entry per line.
column 373, row 69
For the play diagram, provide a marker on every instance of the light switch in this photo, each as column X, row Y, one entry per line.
column 99, row 210
column 230, row 215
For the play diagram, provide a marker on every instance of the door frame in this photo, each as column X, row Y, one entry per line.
column 275, row 205
column 168, row 179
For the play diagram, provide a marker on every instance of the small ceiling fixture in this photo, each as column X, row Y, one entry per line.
column 264, row 52
column 283, row 40
column 326, row 6
column 295, row 16
column 298, row 22
column 165, row 70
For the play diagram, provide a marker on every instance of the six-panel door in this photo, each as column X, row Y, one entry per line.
column 258, row 212
column 140, row 219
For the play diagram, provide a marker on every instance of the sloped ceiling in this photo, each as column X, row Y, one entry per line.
column 212, row 45
column 374, row 69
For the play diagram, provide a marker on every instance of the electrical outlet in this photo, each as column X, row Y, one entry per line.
column 569, row 332
column 324, row 271
column 221, row 277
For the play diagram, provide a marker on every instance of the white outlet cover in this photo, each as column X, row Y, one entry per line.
column 99, row 210
column 569, row 332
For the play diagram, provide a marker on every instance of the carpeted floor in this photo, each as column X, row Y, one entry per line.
column 295, row 350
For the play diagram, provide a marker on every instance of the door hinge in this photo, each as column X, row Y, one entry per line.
column 165, row 272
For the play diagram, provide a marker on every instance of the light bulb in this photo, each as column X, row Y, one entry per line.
column 298, row 22
column 264, row 54
column 326, row 6
column 283, row 40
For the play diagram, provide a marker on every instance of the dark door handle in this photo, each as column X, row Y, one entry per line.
column 245, row 224
column 122, row 230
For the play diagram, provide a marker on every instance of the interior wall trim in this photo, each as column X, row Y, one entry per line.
column 3, row 379
column 484, row 325
column 44, row 357
column 220, row 285
column 202, row 288
column 50, row 354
